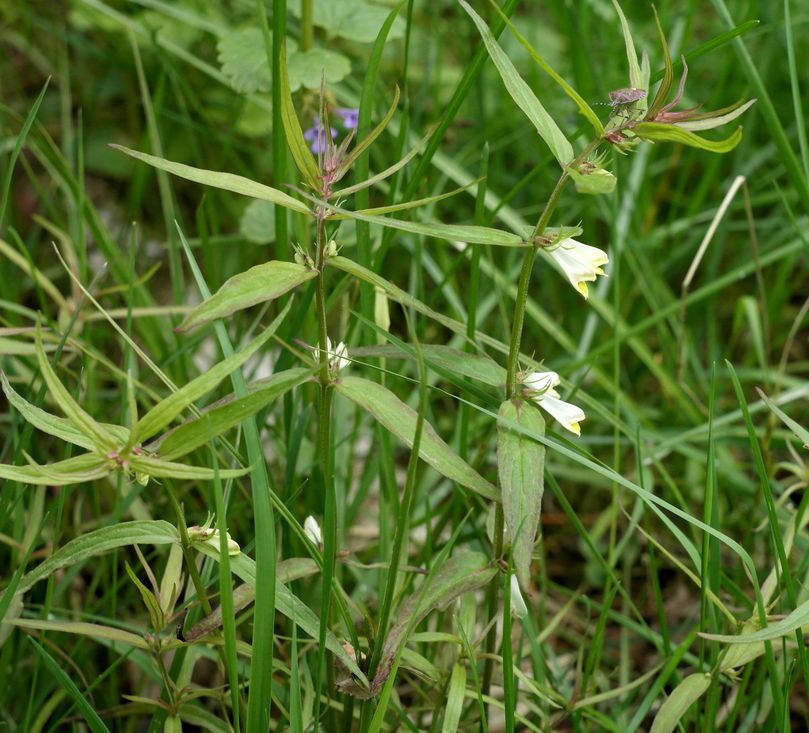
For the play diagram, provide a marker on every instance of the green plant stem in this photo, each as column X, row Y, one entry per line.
column 492, row 595
column 307, row 25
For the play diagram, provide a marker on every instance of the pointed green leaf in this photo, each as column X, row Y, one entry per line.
column 400, row 419
column 677, row 704
column 101, row 439
column 800, row 432
column 662, row 132
column 301, row 154
column 456, row 697
column 711, row 120
column 76, row 470
column 217, row 179
column 366, row 142
column 156, row 618
column 462, row 573
column 166, row 410
column 522, row 95
column 91, row 631
column 635, row 75
column 668, row 71
column 226, row 414
column 59, row 427
column 521, row 469
column 99, row 541
column 795, row 620
column 159, row 468
column 261, row 283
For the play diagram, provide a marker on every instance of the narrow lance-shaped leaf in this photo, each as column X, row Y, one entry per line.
column 259, row 284
column 217, row 179
column 522, row 95
column 59, row 427
column 400, row 419
column 75, row 470
column 158, row 468
column 521, row 469
column 801, row 433
column 464, row 572
column 366, row 142
column 661, row 132
column 668, row 72
column 166, row 410
column 682, row 697
column 225, row 415
column 635, row 75
column 73, row 411
column 156, row 618
column 301, row 154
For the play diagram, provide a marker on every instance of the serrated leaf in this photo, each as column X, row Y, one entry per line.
column 521, row 470
column 76, row 470
column 243, row 59
column 400, row 420
column 307, row 68
column 522, row 95
column 59, row 427
column 99, row 541
column 167, row 409
column 677, row 704
column 354, row 20
column 259, row 284
column 226, row 414
column 258, row 222
column 217, row 179
column 662, row 132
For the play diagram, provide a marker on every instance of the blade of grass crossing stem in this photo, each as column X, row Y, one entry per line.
column 226, row 592
column 87, row 711
column 264, row 610
column 772, row 516
column 509, row 691
column 710, row 553
column 15, row 152
column 163, row 181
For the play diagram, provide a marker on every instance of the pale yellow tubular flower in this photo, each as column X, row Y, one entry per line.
column 541, row 385
column 580, row 262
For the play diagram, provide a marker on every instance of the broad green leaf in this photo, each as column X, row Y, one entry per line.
column 677, row 704
column 166, row 410
column 99, row 541
column 800, row 432
column 91, row 631
column 456, row 697
column 288, row 604
column 261, row 283
column 217, row 179
column 258, row 222
column 354, row 20
column 522, row 95
column 307, row 68
column 59, row 427
column 76, row 470
column 481, row 368
column 661, row 132
column 521, row 470
column 156, row 618
column 225, row 415
column 400, row 419
column 462, row 573
column 301, row 154
column 101, row 439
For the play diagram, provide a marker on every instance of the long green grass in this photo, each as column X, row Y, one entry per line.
column 175, row 583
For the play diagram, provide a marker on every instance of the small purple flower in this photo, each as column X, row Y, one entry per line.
column 316, row 135
column 350, row 116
